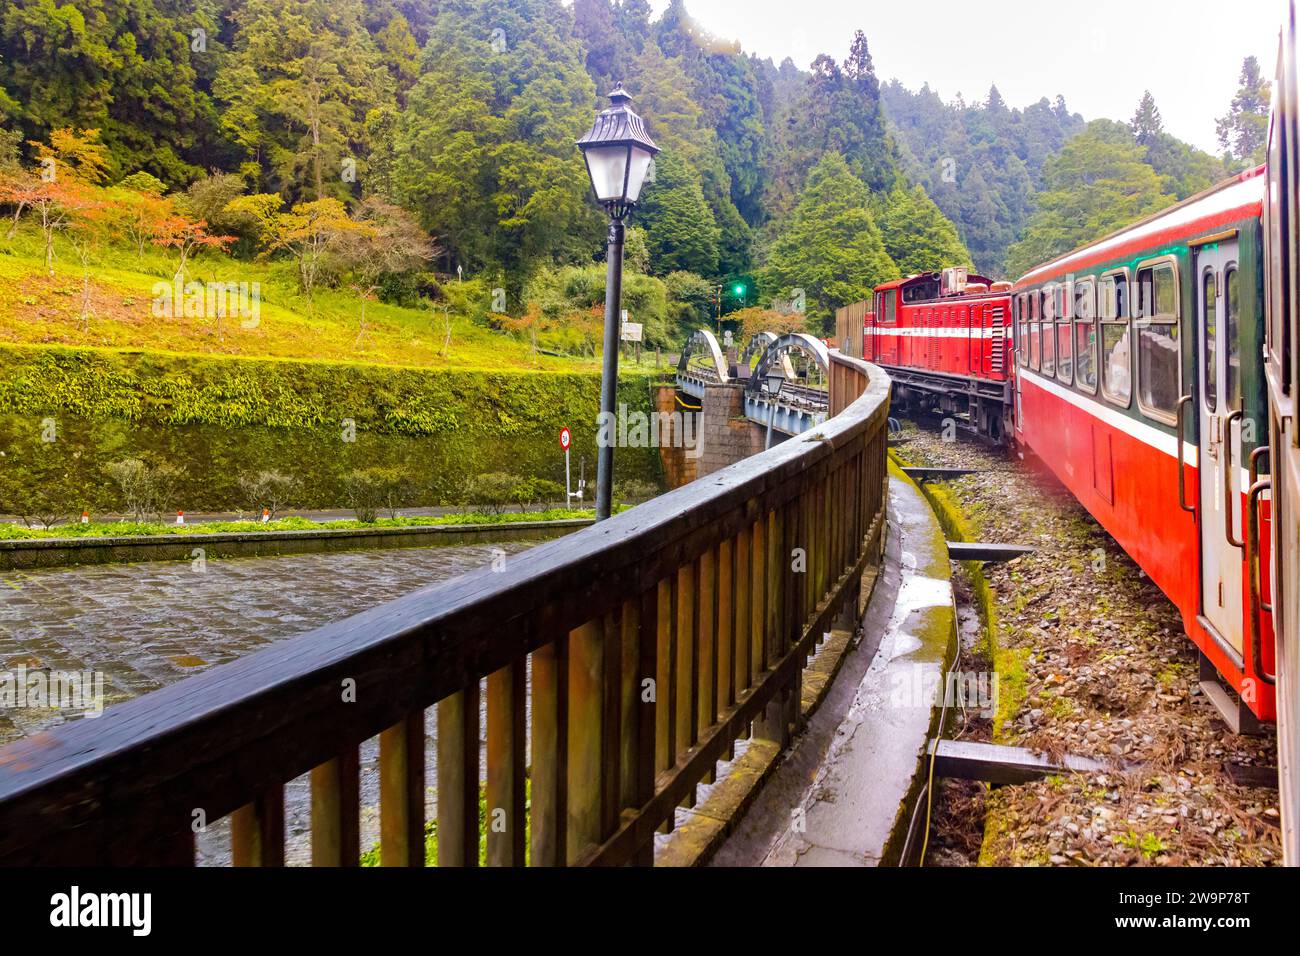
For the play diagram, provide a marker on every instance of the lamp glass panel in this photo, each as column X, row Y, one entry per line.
column 607, row 166
column 640, row 169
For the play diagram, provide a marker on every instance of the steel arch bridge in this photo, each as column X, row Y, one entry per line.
column 702, row 364
column 804, row 361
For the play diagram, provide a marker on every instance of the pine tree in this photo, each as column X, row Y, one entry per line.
column 917, row 236
column 296, row 88
column 1243, row 132
column 830, row 246
column 679, row 226
column 1147, row 123
column 484, row 150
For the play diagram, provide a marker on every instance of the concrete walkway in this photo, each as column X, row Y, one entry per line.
column 845, row 793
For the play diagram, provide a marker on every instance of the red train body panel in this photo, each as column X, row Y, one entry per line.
column 1117, row 365
column 1115, row 435
column 946, row 339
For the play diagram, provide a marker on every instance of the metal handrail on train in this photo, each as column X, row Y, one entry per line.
column 1252, row 573
column 1255, row 456
column 1230, row 505
column 1182, row 469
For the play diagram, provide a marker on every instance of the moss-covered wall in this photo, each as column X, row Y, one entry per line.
column 223, row 418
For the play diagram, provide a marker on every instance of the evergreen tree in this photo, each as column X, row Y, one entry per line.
column 609, row 53
column 724, row 85
column 679, row 226
column 1096, row 184
column 830, row 246
column 297, row 86
column 126, row 68
column 917, row 236
column 1147, row 123
column 484, row 151
column 678, row 125
column 1243, row 132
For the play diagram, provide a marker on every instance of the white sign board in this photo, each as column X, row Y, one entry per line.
column 631, row 331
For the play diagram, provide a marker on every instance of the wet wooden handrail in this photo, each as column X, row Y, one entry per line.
column 653, row 640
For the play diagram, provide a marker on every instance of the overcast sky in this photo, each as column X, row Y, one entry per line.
column 1099, row 54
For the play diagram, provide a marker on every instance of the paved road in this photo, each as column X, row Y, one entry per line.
column 147, row 625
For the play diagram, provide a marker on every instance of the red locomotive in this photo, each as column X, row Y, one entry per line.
column 945, row 339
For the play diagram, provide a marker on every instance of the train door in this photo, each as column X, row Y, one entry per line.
column 1219, row 458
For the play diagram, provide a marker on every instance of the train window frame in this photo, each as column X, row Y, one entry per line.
column 1209, row 338
column 1064, row 312
column 1103, row 321
column 1233, row 386
column 1048, row 345
column 1035, row 329
column 1022, row 330
column 1090, row 284
column 888, row 307
column 1110, row 276
column 1141, row 322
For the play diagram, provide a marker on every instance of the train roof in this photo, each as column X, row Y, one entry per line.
column 971, row 278
column 1233, row 199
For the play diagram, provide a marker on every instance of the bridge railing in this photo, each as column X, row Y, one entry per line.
column 640, row 649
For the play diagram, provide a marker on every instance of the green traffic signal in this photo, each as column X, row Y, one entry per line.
column 740, row 290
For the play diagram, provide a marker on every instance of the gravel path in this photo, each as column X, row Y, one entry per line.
column 1092, row 660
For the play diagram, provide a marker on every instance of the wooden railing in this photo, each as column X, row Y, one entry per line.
column 655, row 640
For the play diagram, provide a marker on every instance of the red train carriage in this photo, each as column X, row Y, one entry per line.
column 945, row 338
column 1139, row 384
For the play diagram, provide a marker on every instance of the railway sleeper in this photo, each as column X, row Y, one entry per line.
column 1000, row 765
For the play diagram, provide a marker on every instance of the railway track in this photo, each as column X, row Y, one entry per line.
column 1091, row 661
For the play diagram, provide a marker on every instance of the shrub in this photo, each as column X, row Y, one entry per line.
column 495, row 491
column 147, row 489
column 364, row 492
column 632, row 491
column 266, row 489
column 369, row 490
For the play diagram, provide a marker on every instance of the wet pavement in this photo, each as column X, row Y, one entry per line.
column 845, row 792
column 150, row 624
column 147, row 625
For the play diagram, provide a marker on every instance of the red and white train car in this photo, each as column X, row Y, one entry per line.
column 1139, row 384
column 945, row 339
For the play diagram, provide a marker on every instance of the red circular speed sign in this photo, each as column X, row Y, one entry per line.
column 564, row 439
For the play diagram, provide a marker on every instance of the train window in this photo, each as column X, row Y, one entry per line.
column 1114, row 295
column 1232, row 314
column 1159, row 364
column 1157, row 293
column 1034, row 330
column 1085, row 334
column 1050, row 298
column 1064, row 352
column 1116, row 347
column 1022, row 330
column 1210, row 342
column 1085, row 306
column 890, row 310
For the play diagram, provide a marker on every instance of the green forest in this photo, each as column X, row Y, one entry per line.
column 194, row 190
column 384, row 146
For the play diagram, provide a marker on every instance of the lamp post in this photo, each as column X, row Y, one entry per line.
column 775, row 380
column 618, row 151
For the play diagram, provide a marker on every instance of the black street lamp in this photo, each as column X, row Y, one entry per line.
column 618, row 151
